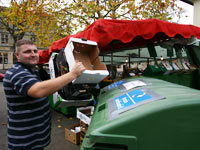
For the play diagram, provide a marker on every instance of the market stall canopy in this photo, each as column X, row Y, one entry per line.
column 115, row 35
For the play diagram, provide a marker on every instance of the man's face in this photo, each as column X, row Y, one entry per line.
column 28, row 54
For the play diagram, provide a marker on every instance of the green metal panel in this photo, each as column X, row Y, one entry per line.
column 188, row 79
column 193, row 53
column 52, row 103
column 169, row 124
column 70, row 111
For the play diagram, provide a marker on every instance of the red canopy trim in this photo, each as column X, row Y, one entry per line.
column 116, row 34
column 44, row 56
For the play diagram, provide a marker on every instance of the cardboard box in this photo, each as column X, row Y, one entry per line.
column 87, row 52
column 71, row 135
column 85, row 114
column 84, row 128
column 57, row 99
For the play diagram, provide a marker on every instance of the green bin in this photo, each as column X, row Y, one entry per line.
column 70, row 111
column 168, row 121
column 153, row 70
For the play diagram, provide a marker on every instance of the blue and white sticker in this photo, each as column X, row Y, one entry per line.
column 115, row 84
column 131, row 98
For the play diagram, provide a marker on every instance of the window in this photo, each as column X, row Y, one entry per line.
column 3, row 58
column 4, row 38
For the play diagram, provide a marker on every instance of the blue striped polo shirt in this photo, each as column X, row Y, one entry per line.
column 29, row 120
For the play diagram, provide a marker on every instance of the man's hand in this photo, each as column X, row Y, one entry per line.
column 78, row 69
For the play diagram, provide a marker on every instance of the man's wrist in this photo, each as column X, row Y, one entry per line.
column 73, row 75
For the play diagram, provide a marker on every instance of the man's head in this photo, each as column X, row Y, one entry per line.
column 26, row 52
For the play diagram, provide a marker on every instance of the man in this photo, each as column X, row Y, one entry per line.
column 27, row 103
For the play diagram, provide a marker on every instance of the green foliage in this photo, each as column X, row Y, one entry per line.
column 50, row 20
column 86, row 12
column 39, row 18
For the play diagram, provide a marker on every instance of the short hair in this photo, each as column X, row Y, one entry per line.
column 23, row 42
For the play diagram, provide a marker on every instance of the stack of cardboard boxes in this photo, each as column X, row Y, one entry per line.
column 77, row 132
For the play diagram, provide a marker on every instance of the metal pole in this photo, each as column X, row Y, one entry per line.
column 3, row 60
column 129, row 61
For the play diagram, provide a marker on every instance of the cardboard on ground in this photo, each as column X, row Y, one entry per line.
column 87, row 52
column 85, row 114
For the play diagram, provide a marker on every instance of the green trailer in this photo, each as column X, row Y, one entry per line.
column 166, row 120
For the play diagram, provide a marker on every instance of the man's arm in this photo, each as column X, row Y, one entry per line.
column 48, row 87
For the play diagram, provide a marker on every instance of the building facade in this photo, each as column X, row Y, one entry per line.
column 6, row 48
column 6, row 52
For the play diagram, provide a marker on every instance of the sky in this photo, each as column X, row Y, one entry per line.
column 188, row 12
column 184, row 20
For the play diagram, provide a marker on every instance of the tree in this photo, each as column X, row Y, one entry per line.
column 160, row 9
column 50, row 20
column 40, row 18
column 85, row 12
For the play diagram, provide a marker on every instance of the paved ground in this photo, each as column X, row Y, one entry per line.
column 58, row 141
